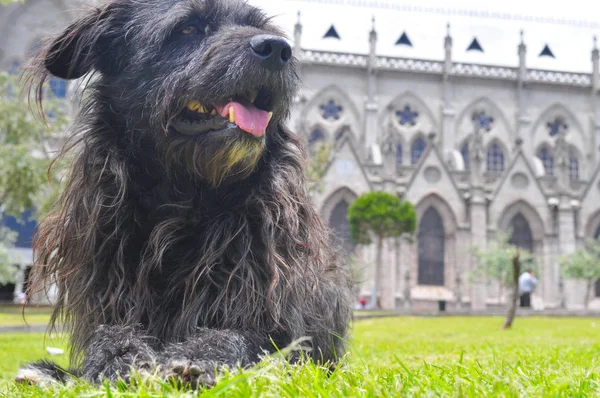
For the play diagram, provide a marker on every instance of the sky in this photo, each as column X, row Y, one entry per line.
column 567, row 27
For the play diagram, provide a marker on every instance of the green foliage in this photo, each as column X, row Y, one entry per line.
column 583, row 264
column 495, row 261
column 316, row 168
column 8, row 271
column 393, row 357
column 27, row 146
column 381, row 213
column 7, row 2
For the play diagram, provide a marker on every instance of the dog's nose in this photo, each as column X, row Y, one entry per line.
column 273, row 51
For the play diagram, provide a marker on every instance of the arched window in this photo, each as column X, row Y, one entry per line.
column 464, row 151
column 495, row 158
column 316, row 136
column 338, row 221
column 416, row 150
column 521, row 233
column 399, row 156
column 573, row 166
column 431, row 249
column 547, row 159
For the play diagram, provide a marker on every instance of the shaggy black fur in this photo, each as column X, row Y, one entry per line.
column 186, row 251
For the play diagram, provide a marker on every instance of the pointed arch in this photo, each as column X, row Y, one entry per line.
column 521, row 235
column 425, row 123
column 431, row 248
column 449, row 219
column 340, row 194
column 348, row 117
column 529, row 214
column 500, row 130
column 335, row 214
column 592, row 227
column 557, row 109
column 575, row 131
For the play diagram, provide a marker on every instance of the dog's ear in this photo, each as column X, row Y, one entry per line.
column 75, row 51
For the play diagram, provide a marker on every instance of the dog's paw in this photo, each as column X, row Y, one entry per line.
column 190, row 373
column 34, row 375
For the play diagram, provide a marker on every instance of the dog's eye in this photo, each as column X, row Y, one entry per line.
column 191, row 30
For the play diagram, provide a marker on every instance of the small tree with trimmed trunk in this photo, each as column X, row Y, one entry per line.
column 583, row 264
column 502, row 263
column 380, row 215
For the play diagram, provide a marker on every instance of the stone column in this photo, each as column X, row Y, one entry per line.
column 478, row 214
column 370, row 134
column 448, row 135
column 387, row 276
column 522, row 119
column 595, row 104
column 566, row 214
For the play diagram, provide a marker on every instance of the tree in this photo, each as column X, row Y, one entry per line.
column 7, row 2
column 583, row 264
column 502, row 262
column 316, row 168
column 381, row 215
column 25, row 154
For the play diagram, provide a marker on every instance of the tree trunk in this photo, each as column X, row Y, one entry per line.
column 375, row 293
column 588, row 289
column 514, row 296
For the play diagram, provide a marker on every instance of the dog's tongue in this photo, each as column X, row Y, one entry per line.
column 247, row 117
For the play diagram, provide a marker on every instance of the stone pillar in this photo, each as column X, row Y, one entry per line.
column 370, row 135
column 478, row 213
column 566, row 214
column 448, row 135
column 522, row 119
column 594, row 103
column 387, row 276
column 295, row 120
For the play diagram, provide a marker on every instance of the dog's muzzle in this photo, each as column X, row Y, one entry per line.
column 250, row 111
column 274, row 52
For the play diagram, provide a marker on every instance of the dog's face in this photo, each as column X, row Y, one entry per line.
column 210, row 81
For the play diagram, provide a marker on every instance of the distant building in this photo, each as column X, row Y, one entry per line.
column 487, row 124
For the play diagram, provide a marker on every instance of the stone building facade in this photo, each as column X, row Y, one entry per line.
column 458, row 112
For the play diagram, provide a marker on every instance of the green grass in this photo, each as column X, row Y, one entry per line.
column 12, row 315
column 450, row 356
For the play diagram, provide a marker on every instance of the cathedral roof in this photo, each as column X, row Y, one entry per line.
column 558, row 35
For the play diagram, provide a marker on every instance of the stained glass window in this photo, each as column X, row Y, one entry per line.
column 58, row 87
column 547, row 159
column 484, row 121
column 316, row 136
column 495, row 158
column 407, row 117
column 556, row 126
column 573, row 166
column 417, row 149
column 331, row 110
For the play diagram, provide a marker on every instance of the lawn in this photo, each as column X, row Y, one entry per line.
column 405, row 356
column 12, row 315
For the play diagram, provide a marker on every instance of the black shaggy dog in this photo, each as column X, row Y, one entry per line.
column 184, row 239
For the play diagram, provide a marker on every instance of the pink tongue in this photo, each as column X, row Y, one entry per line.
column 247, row 117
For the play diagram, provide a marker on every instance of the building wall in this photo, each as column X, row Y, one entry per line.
column 474, row 205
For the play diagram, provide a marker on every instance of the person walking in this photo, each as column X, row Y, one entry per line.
column 527, row 285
